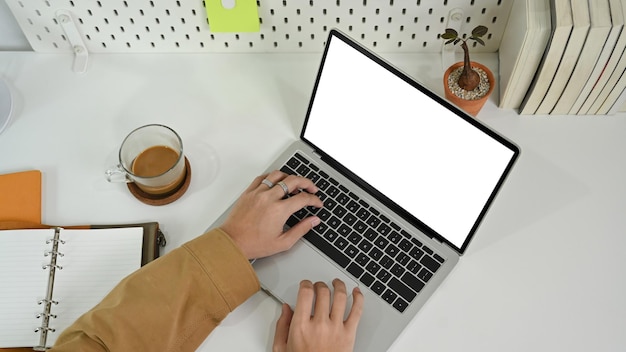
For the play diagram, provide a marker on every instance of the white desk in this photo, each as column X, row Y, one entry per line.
column 544, row 272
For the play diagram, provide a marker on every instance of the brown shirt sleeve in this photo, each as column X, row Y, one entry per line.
column 170, row 304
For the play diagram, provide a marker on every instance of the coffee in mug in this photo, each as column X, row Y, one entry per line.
column 151, row 157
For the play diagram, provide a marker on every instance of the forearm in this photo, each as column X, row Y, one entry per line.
column 170, row 304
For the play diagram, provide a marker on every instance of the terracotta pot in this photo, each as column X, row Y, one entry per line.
column 472, row 107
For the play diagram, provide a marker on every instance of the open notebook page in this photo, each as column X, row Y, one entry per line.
column 24, row 283
column 94, row 261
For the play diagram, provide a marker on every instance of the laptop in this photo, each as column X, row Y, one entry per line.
column 405, row 177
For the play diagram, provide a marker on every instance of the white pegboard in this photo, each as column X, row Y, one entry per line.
column 159, row 26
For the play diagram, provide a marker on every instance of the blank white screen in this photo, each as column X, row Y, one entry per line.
column 426, row 159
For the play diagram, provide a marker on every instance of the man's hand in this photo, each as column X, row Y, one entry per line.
column 257, row 219
column 321, row 331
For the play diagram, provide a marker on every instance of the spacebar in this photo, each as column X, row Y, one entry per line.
column 326, row 248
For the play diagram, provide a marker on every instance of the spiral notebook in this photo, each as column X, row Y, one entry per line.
column 50, row 277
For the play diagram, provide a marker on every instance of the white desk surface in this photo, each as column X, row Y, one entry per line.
column 545, row 271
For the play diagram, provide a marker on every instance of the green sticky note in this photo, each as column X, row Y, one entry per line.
column 232, row 15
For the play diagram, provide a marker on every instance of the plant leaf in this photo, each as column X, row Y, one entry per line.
column 480, row 41
column 456, row 41
column 452, row 31
column 449, row 41
column 479, row 31
column 449, row 34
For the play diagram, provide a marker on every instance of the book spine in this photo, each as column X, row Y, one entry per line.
column 47, row 302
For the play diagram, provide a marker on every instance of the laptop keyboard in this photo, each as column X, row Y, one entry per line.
column 358, row 237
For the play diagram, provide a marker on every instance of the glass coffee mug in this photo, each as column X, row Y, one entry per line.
column 151, row 157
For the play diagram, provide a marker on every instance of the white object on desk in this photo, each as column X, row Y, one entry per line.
column 51, row 277
column 6, row 105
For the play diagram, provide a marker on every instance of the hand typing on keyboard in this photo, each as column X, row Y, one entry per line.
column 256, row 221
column 319, row 326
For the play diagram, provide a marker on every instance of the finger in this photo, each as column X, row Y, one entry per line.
column 282, row 329
column 304, row 302
column 322, row 301
column 274, row 177
column 294, row 183
column 340, row 297
column 356, row 311
column 291, row 236
column 301, row 200
column 255, row 183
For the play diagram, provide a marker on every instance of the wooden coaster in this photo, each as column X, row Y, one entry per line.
column 166, row 198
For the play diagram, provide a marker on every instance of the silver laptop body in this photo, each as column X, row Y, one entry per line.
column 426, row 170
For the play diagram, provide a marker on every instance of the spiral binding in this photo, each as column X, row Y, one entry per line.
column 45, row 316
column 41, row 328
column 39, row 315
column 52, row 266
column 53, row 253
column 47, row 301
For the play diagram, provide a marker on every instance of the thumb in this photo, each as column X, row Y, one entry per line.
column 282, row 329
column 300, row 229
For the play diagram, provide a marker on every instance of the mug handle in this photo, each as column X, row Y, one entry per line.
column 117, row 174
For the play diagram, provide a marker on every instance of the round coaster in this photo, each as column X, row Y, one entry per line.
column 166, row 198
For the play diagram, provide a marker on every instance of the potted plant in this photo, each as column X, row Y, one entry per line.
column 467, row 84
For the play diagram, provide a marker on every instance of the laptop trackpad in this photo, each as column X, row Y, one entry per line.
column 280, row 274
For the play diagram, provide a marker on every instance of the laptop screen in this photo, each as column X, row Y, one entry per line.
column 415, row 152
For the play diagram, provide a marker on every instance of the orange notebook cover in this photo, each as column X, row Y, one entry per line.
column 20, row 196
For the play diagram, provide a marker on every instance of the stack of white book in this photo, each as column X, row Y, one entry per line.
column 564, row 57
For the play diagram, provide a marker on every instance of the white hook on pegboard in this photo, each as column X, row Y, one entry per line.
column 455, row 17
column 81, row 54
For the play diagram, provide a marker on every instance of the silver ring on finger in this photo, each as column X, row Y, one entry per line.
column 268, row 183
column 284, row 187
